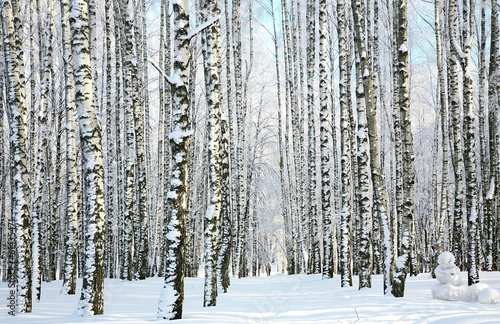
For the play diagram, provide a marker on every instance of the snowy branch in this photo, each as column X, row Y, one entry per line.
column 172, row 79
column 193, row 32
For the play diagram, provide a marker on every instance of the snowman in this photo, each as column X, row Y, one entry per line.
column 450, row 286
column 447, row 272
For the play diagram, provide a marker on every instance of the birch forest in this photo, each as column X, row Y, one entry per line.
column 227, row 138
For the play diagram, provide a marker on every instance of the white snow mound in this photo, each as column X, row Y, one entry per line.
column 488, row 296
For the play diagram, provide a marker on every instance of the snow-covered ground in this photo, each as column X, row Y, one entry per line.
column 275, row 299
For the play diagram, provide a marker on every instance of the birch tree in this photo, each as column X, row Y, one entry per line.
column 346, row 189
column 456, row 132
column 211, row 56
column 92, row 297
column 72, row 193
column 313, row 246
column 172, row 295
column 325, row 153
column 471, row 198
column 16, row 83
column 407, row 231
column 363, row 100
column 493, row 141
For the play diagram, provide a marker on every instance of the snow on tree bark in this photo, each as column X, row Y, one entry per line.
column 92, row 297
column 471, row 197
column 443, row 101
column 326, row 210
column 16, row 84
column 381, row 218
column 287, row 210
column 365, row 195
column 407, row 223
column 491, row 200
column 211, row 48
column 312, row 213
column 224, row 248
column 456, row 133
column 72, row 192
column 172, row 295
column 345, row 135
column 110, row 158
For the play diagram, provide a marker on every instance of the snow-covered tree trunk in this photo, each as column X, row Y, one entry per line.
column 312, row 212
column 130, row 195
column 471, row 198
column 345, row 161
column 483, row 160
column 172, row 295
column 38, row 200
column 119, row 166
column 491, row 202
column 398, row 149
column 110, row 158
column 336, row 180
column 283, row 155
column 16, row 83
column 157, row 240
column 381, row 223
column 239, row 157
column 166, row 130
column 363, row 102
column 326, row 209
column 72, row 192
column 92, row 298
column 298, row 141
column 407, row 222
column 230, row 129
column 224, row 248
column 456, row 132
column 443, row 102
column 211, row 48
column 139, row 90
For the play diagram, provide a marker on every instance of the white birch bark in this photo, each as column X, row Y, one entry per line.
column 363, row 101
column 345, row 127
column 172, row 295
column 456, row 132
column 72, row 193
column 407, row 225
column 493, row 141
column 211, row 48
column 312, row 213
column 326, row 210
column 16, row 84
column 92, row 297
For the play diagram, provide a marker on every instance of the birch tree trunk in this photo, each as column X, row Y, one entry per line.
column 491, row 202
column 92, row 298
column 172, row 295
column 471, row 198
column 224, row 249
column 443, row 102
column 110, row 160
column 345, row 136
column 407, row 230
column 363, row 102
column 286, row 210
column 312, row 213
column 324, row 144
column 16, row 83
column 380, row 213
column 211, row 48
column 456, row 131
column 72, row 193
